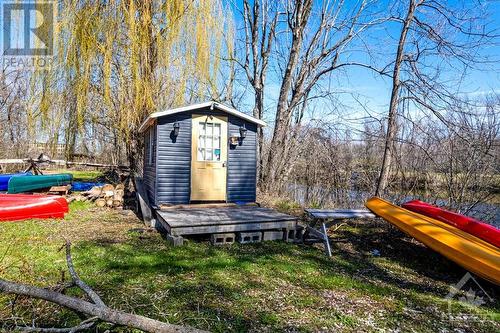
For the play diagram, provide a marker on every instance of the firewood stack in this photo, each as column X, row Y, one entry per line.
column 107, row 195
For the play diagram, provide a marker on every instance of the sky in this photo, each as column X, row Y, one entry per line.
column 372, row 90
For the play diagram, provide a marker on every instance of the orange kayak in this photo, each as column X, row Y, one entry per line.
column 468, row 251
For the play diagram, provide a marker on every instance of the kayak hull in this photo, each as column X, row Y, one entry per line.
column 474, row 227
column 468, row 251
column 20, row 207
column 31, row 183
column 4, row 179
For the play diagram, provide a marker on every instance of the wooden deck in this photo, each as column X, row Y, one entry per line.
column 191, row 221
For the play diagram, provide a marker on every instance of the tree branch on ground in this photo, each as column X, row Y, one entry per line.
column 96, row 310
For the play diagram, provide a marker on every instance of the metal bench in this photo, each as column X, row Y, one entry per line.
column 327, row 218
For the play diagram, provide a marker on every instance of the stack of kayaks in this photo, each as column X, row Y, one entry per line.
column 31, row 183
column 4, row 179
column 469, row 251
column 27, row 206
column 468, row 224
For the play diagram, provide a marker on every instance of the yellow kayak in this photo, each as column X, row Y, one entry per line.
column 466, row 250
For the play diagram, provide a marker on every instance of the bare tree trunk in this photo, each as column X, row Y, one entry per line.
column 301, row 15
column 259, row 37
column 134, row 147
column 393, row 106
column 258, row 112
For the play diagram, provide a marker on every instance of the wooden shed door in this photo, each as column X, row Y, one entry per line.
column 208, row 158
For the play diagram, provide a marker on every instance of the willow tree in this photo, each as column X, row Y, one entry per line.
column 119, row 60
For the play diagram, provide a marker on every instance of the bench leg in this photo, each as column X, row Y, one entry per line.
column 328, row 250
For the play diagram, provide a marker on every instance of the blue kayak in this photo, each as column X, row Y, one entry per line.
column 4, row 179
column 84, row 186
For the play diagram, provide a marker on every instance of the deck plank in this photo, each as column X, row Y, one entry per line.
column 224, row 219
column 215, row 216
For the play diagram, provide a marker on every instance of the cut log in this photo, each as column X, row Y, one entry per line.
column 108, row 194
column 93, row 193
column 119, row 192
column 77, row 198
column 100, row 202
column 117, row 203
column 109, row 202
column 120, row 187
column 108, row 187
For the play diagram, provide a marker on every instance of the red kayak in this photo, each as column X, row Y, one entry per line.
column 474, row 227
column 24, row 206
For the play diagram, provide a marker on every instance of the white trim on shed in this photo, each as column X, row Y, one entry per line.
column 150, row 119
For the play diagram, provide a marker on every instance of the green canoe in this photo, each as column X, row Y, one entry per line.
column 30, row 183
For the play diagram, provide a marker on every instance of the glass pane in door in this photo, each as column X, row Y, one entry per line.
column 209, row 142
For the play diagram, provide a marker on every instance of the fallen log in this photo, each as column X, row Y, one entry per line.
column 96, row 309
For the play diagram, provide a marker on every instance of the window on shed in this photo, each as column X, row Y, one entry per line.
column 209, row 141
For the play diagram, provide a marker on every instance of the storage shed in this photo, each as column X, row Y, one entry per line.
column 200, row 153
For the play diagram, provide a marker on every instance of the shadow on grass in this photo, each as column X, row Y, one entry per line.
column 207, row 287
column 396, row 247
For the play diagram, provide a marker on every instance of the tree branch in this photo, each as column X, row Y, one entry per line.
column 76, row 279
column 97, row 311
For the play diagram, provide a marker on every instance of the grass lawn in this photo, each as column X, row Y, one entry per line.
column 271, row 286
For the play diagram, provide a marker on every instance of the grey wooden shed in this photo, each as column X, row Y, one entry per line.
column 200, row 153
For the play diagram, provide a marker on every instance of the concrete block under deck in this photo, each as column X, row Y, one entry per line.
column 192, row 221
column 273, row 235
column 222, row 239
column 250, row 237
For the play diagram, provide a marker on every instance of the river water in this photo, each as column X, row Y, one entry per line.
column 489, row 213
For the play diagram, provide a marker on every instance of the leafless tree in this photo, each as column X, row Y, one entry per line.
column 312, row 40
column 13, row 112
column 435, row 37
column 260, row 20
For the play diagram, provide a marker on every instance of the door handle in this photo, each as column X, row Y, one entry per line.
column 223, row 164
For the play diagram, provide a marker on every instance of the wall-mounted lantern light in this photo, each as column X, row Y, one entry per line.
column 176, row 128
column 243, row 132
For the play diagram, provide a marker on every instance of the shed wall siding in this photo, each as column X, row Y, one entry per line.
column 149, row 169
column 174, row 160
column 242, row 163
column 173, row 171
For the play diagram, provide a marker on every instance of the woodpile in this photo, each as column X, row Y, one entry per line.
column 104, row 196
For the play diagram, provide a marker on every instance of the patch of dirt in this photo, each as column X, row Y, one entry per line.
column 366, row 310
column 98, row 224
